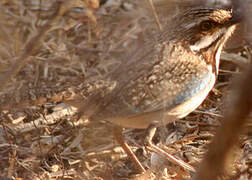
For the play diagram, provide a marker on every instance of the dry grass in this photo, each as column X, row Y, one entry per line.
column 48, row 56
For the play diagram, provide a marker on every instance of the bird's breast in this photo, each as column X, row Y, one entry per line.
column 192, row 96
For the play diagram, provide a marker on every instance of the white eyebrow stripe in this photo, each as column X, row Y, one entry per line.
column 207, row 40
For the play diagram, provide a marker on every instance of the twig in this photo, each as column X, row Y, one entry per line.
column 43, row 121
column 235, row 58
column 153, row 10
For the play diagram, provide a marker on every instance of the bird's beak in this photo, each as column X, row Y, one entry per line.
column 237, row 17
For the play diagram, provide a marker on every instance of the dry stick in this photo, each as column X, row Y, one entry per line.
column 155, row 15
column 235, row 58
column 33, row 45
column 43, row 121
column 226, row 137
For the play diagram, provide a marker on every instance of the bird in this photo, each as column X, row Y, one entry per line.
column 168, row 77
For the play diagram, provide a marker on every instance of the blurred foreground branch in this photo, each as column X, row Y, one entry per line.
column 227, row 135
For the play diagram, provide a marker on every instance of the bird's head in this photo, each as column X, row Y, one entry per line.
column 204, row 31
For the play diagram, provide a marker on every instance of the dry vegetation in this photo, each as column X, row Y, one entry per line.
column 51, row 53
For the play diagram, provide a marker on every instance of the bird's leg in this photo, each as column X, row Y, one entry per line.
column 120, row 139
column 151, row 130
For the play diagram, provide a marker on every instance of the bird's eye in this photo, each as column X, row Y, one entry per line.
column 206, row 25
